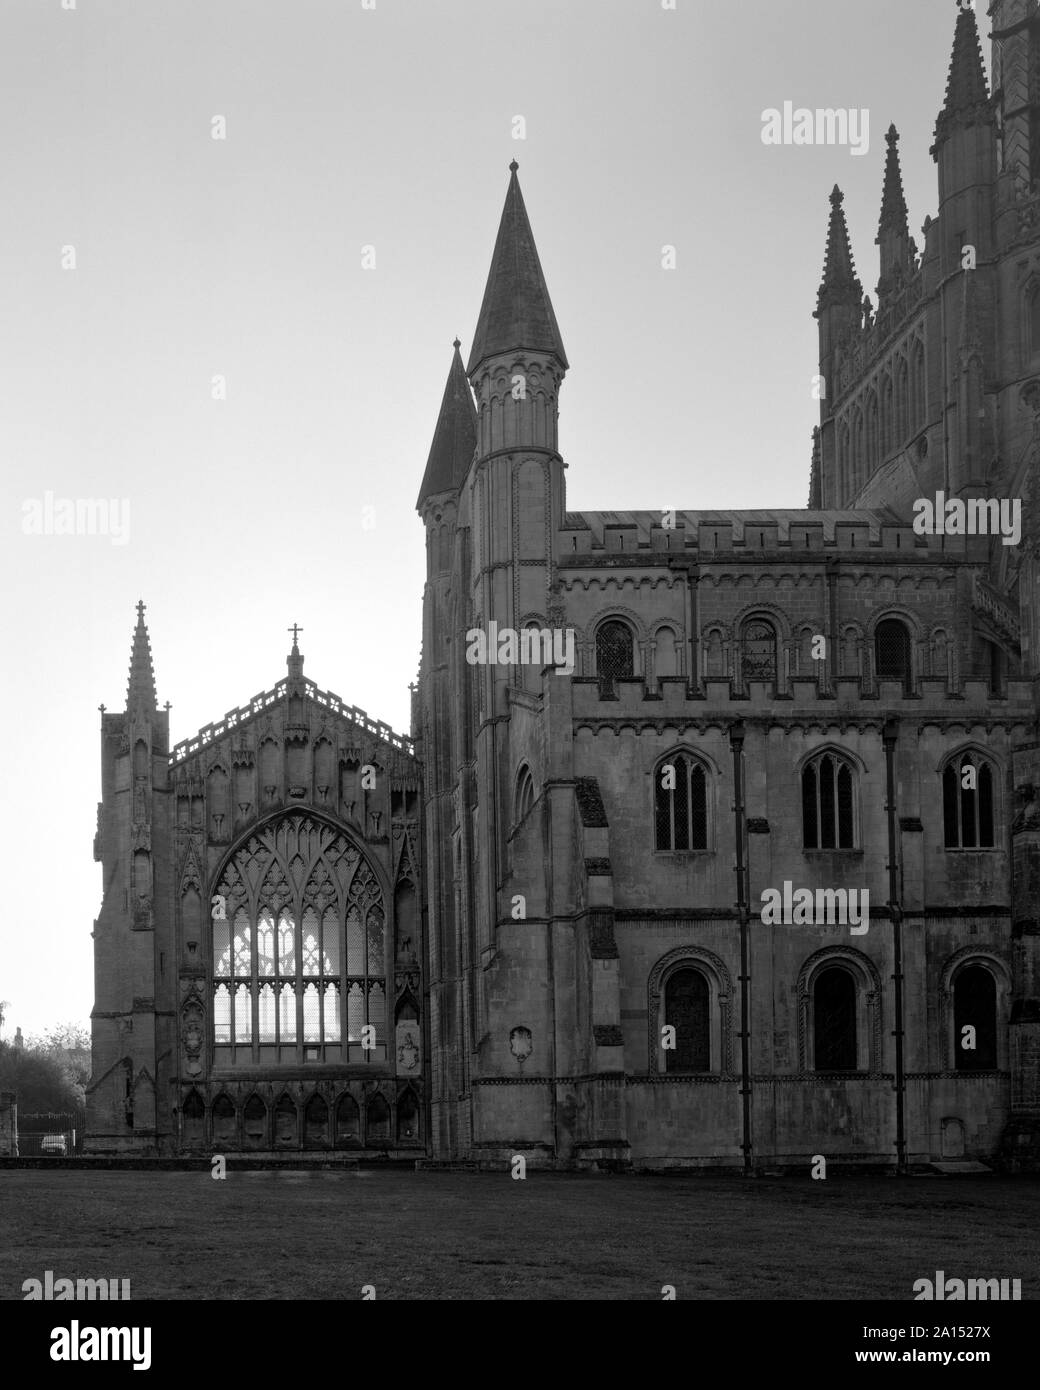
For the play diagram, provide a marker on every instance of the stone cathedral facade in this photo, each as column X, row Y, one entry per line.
column 538, row 926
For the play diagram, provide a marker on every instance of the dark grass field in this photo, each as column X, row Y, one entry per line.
column 429, row 1235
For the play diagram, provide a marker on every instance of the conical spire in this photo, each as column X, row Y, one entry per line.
column 140, row 690
column 840, row 284
column 455, row 437
column 893, row 220
column 967, row 98
column 516, row 312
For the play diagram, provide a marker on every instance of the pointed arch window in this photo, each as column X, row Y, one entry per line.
column 758, row 650
column 615, row 656
column 680, row 804
column 524, row 793
column 892, row 651
column 298, row 959
column 968, row 788
column 828, row 803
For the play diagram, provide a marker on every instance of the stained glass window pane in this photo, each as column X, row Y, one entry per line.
column 892, row 650
column 222, row 1014
column 311, row 1014
column 330, row 940
column 243, row 1014
column 331, row 1013
column 377, row 1010
column 698, row 809
column 287, row 1014
column 310, row 950
column 242, row 943
column 810, row 830
column 845, row 827
column 613, row 651
column 375, row 942
column 662, row 811
column 969, row 838
column 826, row 803
column 681, row 805
column 265, row 944
column 222, row 947
column 355, row 943
column 267, row 1014
column 986, row 807
column 759, row 646
column 286, row 945
column 355, row 1012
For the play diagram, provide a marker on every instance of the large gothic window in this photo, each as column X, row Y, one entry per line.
column 680, row 804
column 968, row 803
column 828, row 820
column 298, row 951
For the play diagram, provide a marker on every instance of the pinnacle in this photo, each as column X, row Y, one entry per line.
column 967, row 97
column 516, row 311
column 840, row 284
column 140, row 690
column 893, row 201
column 455, row 435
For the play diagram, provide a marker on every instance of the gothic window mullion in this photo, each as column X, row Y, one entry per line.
column 298, row 962
column 254, row 989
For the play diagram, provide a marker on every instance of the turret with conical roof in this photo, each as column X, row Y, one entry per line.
column 454, row 438
column 517, row 360
column 516, row 311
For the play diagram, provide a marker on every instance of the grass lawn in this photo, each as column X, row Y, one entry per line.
column 320, row 1234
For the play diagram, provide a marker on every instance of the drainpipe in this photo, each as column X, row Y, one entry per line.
column 889, row 735
column 736, row 738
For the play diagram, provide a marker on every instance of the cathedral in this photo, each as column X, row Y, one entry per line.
column 716, row 838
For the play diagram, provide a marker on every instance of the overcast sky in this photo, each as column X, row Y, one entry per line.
column 392, row 127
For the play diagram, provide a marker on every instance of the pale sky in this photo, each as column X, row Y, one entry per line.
column 391, row 127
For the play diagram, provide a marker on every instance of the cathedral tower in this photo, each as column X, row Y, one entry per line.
column 121, row 1100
